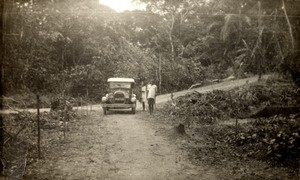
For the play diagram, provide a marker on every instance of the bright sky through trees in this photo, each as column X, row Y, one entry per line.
column 121, row 5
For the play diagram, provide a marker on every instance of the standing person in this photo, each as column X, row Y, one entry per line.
column 151, row 96
column 143, row 95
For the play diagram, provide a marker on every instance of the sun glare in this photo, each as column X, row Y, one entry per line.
column 120, row 5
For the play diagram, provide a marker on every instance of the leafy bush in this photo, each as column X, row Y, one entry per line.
column 275, row 92
column 210, row 107
column 239, row 102
column 276, row 139
column 25, row 100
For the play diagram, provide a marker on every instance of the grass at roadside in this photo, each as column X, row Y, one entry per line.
column 20, row 150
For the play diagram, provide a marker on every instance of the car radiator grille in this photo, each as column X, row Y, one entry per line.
column 119, row 98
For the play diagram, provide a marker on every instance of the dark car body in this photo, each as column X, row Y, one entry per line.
column 120, row 95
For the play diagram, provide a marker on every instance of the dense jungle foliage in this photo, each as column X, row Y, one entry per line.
column 66, row 49
column 274, row 138
column 71, row 47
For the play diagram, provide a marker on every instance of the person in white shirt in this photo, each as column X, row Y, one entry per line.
column 152, row 90
column 143, row 95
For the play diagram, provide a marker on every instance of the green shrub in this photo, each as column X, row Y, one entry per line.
column 240, row 102
column 276, row 139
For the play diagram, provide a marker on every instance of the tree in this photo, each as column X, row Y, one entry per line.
column 175, row 42
column 1, row 82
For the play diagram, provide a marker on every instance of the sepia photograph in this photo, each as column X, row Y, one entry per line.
column 150, row 90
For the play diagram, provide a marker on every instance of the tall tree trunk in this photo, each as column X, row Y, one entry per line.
column 170, row 33
column 171, row 40
column 159, row 73
column 38, row 126
column 62, row 58
column 260, row 31
column 1, row 79
column 290, row 26
column 87, row 92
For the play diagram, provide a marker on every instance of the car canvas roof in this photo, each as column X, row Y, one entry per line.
column 129, row 80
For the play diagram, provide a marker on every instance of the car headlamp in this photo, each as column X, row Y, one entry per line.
column 133, row 99
column 104, row 99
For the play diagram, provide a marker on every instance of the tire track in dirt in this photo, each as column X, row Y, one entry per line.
column 141, row 153
column 117, row 146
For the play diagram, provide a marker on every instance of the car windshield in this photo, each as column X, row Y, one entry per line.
column 119, row 85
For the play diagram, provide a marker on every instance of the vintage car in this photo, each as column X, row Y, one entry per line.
column 120, row 95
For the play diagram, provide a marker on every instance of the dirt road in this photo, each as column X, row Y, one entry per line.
column 117, row 146
column 226, row 85
column 120, row 145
